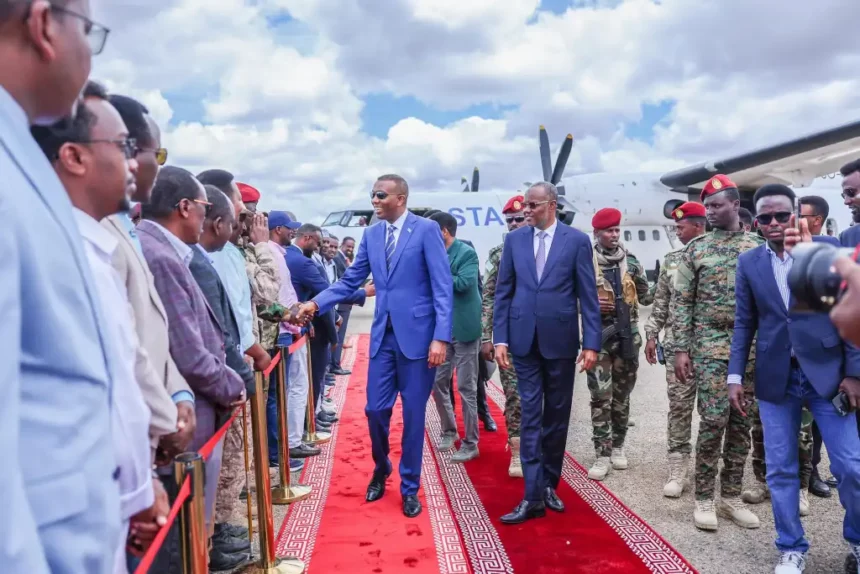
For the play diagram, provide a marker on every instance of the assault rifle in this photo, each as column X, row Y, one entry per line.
column 621, row 325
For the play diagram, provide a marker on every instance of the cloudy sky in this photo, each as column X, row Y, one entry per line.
column 310, row 100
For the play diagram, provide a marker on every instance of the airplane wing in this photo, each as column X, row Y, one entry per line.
column 796, row 163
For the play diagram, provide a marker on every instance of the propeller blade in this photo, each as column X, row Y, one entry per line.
column 545, row 159
column 560, row 189
column 476, row 179
column 463, row 180
column 561, row 162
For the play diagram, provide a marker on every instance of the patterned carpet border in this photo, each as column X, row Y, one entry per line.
column 654, row 551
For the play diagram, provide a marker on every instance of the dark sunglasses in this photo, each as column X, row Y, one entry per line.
column 517, row 218
column 381, row 195
column 780, row 216
column 534, row 204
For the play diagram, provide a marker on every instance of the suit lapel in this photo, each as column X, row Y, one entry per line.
column 405, row 236
column 150, row 288
column 765, row 270
column 555, row 250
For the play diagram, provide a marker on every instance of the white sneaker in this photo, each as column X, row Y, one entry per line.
column 804, row 502
column 735, row 510
column 601, row 467
column 791, row 563
column 705, row 515
column 618, row 459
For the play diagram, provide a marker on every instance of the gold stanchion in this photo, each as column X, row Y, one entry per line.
column 269, row 563
column 285, row 493
column 194, row 538
column 311, row 435
column 247, row 471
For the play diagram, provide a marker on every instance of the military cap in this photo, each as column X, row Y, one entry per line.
column 249, row 194
column 717, row 184
column 689, row 209
column 606, row 218
column 514, row 204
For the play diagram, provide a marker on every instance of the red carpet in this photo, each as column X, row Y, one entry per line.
column 335, row 530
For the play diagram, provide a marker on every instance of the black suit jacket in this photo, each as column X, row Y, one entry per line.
column 213, row 290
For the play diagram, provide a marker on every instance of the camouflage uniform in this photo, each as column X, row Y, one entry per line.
column 612, row 378
column 513, row 412
column 704, row 311
column 682, row 396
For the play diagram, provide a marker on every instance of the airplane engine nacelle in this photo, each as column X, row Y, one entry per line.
column 671, row 206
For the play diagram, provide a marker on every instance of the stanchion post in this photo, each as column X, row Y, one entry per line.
column 247, row 470
column 269, row 563
column 194, row 538
column 311, row 435
column 285, row 493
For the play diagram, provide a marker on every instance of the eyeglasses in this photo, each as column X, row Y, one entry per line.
column 516, row 218
column 534, row 204
column 206, row 205
column 96, row 33
column 780, row 216
column 160, row 154
column 128, row 146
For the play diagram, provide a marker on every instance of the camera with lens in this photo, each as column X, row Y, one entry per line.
column 813, row 281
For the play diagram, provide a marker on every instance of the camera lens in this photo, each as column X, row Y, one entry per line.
column 812, row 281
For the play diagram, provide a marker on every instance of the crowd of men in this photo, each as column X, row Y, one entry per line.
column 130, row 342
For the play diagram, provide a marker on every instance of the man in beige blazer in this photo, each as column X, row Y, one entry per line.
column 165, row 391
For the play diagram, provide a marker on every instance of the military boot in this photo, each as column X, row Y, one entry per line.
column 601, row 467
column 618, row 459
column 678, row 481
column 516, row 467
column 705, row 515
column 735, row 510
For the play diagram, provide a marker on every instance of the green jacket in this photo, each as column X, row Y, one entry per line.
column 467, row 298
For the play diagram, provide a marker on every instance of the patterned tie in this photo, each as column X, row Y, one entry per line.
column 389, row 246
column 540, row 258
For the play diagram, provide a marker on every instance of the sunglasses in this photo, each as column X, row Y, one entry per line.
column 534, row 204
column 780, row 216
column 381, row 195
column 516, row 218
column 160, row 154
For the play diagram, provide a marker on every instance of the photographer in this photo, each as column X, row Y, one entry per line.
column 800, row 359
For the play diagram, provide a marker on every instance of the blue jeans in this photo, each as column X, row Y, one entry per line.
column 284, row 340
column 781, row 423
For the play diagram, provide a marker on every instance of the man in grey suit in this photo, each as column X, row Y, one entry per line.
column 341, row 264
column 58, row 482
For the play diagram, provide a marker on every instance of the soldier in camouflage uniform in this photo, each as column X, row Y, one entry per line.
column 513, row 212
column 704, row 312
column 690, row 223
column 613, row 377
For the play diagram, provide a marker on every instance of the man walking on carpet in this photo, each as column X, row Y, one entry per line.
column 411, row 327
column 541, row 333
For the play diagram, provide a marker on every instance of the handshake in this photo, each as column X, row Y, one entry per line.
column 301, row 313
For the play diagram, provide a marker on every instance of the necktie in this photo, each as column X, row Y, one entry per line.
column 389, row 246
column 540, row 258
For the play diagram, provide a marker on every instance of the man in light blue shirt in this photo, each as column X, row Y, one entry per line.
column 58, row 484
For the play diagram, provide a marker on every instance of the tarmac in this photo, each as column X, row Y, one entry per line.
column 640, row 487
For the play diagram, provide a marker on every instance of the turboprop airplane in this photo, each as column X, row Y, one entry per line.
column 646, row 200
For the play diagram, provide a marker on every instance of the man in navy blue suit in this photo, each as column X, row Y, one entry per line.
column 800, row 358
column 411, row 327
column 545, row 276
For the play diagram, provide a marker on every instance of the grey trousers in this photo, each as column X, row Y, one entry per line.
column 463, row 357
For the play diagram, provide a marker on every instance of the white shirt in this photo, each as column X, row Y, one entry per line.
column 129, row 414
column 550, row 231
column 330, row 271
column 181, row 248
column 401, row 221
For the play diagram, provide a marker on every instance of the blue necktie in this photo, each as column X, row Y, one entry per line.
column 389, row 246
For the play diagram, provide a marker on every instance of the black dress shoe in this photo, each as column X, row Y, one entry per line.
column 220, row 561
column 327, row 417
column 490, row 424
column 831, row 482
column 340, row 372
column 231, row 529
column 525, row 510
column 304, row 450
column 322, row 426
column 818, row 487
column 553, row 502
column 411, row 505
column 225, row 543
column 376, row 488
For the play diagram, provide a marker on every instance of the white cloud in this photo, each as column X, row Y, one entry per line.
column 282, row 106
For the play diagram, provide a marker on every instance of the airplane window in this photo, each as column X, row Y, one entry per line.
column 656, row 235
column 628, row 236
column 333, row 219
column 641, row 235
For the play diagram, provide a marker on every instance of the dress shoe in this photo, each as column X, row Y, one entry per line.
column 819, row 487
column 220, row 561
column 831, row 482
column 490, row 424
column 525, row 510
column 341, row 372
column 296, row 464
column 553, row 502
column 232, row 529
column 304, row 450
column 229, row 545
column 411, row 505
column 327, row 417
column 322, row 426
column 376, row 488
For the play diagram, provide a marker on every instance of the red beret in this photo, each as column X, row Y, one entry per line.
column 717, row 184
column 249, row 194
column 689, row 209
column 514, row 204
column 606, row 218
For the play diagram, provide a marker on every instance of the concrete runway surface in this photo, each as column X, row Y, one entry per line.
column 731, row 548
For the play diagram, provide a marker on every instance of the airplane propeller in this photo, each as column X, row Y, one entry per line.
column 464, row 182
column 545, row 159
column 476, row 178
